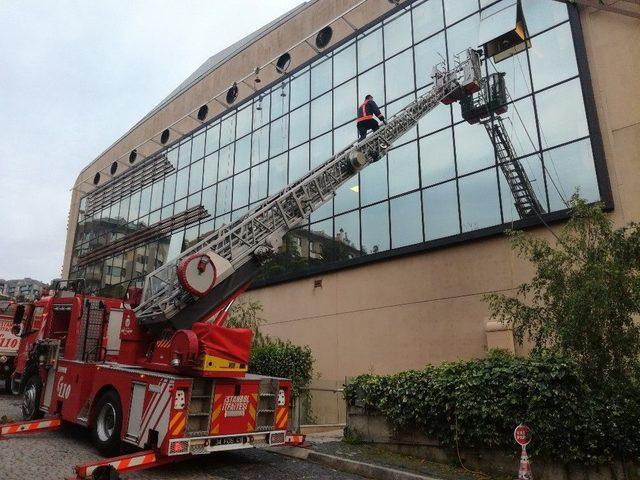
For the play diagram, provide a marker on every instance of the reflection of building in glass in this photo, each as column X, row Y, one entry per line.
column 22, row 289
column 381, row 236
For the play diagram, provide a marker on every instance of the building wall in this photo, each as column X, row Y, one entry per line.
column 427, row 308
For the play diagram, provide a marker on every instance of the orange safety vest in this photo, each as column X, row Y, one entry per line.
column 362, row 115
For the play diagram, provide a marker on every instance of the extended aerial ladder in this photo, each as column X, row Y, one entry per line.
column 223, row 263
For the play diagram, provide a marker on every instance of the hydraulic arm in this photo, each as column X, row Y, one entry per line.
column 222, row 263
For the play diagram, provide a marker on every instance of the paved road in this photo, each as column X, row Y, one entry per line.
column 52, row 456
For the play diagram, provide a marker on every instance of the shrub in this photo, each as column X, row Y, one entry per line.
column 284, row 359
column 478, row 403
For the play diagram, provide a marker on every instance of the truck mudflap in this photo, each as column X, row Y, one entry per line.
column 208, row 444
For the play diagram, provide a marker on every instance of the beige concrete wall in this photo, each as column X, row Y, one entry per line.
column 427, row 308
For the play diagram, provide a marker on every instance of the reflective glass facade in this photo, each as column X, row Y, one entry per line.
column 438, row 183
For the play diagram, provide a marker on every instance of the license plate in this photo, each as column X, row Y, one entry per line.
column 225, row 441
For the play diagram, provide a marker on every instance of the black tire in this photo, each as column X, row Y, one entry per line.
column 107, row 424
column 31, row 393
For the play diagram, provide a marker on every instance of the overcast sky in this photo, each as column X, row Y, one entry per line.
column 74, row 77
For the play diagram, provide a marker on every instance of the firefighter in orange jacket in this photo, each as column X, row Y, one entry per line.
column 365, row 120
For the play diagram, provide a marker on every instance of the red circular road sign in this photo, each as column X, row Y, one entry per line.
column 522, row 435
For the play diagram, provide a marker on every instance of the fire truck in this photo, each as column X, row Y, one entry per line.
column 9, row 340
column 158, row 370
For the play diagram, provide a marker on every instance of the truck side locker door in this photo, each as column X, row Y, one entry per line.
column 135, row 411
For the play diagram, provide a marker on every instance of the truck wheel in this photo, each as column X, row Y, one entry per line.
column 31, row 398
column 107, row 424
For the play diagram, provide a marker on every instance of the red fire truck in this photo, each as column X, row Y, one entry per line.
column 9, row 339
column 157, row 369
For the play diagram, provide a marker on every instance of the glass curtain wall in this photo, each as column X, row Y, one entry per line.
column 441, row 180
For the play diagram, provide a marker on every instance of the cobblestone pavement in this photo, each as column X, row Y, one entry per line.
column 52, row 456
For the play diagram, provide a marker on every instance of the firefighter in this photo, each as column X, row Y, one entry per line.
column 365, row 120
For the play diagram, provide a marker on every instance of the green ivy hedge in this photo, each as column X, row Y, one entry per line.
column 286, row 360
column 480, row 402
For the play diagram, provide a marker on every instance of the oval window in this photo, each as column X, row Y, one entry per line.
column 164, row 138
column 324, row 37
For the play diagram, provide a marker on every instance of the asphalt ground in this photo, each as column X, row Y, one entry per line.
column 53, row 455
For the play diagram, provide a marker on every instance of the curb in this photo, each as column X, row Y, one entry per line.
column 363, row 469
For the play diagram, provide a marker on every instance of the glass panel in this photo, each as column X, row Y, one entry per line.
column 345, row 103
column 321, row 150
column 473, row 148
column 228, row 129
column 373, row 182
column 184, row 157
column 134, row 205
column 223, row 203
column 454, row 10
column 344, row 64
column 244, row 119
column 299, row 126
column 243, row 154
column 180, row 206
column 436, row 119
column 436, row 157
column 279, row 136
column 197, row 151
column 403, row 169
column 406, row 227
column 428, row 54
column 375, row 228
column 258, row 189
column 182, row 183
column 260, row 145
column 225, row 159
column 369, row 50
column 241, row 189
column 172, row 156
column 533, row 169
column 320, row 242
column 211, row 169
column 520, row 123
column 570, row 168
column 175, row 246
column 277, row 174
column 440, row 211
column 462, row 35
column 552, row 57
column 427, row 19
column 169, row 190
column 394, row 108
column 300, row 90
column 397, row 35
column 279, row 100
column 347, row 196
column 213, row 139
column 399, row 75
column 320, row 77
column 517, row 80
column 261, row 110
column 298, row 162
column 561, row 114
column 479, row 205
column 194, row 200
column 372, row 83
column 325, row 211
column 209, row 200
column 347, row 236
column 344, row 136
column 145, row 197
column 321, row 115
column 195, row 177
column 542, row 14
column 166, row 212
column 154, row 217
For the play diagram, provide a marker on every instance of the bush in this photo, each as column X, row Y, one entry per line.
column 286, row 360
column 478, row 404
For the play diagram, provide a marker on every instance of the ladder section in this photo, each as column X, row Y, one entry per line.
column 525, row 199
column 199, row 407
column 267, row 399
column 258, row 234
